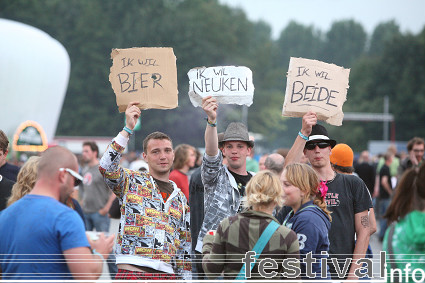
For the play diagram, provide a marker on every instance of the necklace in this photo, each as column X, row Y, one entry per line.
column 330, row 181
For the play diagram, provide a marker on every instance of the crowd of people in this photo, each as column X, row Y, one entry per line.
column 220, row 215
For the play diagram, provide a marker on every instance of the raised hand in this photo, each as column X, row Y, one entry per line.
column 132, row 114
column 309, row 120
column 209, row 104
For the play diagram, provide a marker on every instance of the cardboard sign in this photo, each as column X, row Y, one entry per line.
column 228, row 84
column 147, row 75
column 316, row 86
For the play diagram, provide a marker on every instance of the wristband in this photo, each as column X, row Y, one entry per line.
column 97, row 253
column 302, row 136
column 130, row 132
column 210, row 123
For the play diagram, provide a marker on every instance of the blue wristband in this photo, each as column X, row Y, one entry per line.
column 130, row 132
column 302, row 136
column 211, row 124
column 97, row 253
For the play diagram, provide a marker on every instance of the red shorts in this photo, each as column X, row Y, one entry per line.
column 124, row 274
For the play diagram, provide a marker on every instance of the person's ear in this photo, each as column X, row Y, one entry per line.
column 62, row 177
column 144, row 155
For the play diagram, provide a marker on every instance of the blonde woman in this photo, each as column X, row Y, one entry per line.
column 238, row 234
column 25, row 180
column 309, row 217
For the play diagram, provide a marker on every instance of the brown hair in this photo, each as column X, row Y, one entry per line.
column 414, row 141
column 155, row 136
column 409, row 194
column 181, row 155
column 93, row 146
column 26, row 179
column 4, row 142
column 305, row 178
column 343, row 169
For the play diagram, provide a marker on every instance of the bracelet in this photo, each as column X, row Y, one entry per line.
column 302, row 136
column 97, row 253
column 210, row 123
column 130, row 132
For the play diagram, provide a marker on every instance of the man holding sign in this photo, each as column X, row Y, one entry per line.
column 224, row 185
column 154, row 239
column 347, row 198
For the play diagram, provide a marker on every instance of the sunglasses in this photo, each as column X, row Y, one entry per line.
column 311, row 146
column 77, row 177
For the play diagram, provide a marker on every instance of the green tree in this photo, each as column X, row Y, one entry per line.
column 383, row 34
column 344, row 43
column 297, row 40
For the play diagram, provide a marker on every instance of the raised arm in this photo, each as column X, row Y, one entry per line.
column 112, row 173
column 209, row 104
column 295, row 153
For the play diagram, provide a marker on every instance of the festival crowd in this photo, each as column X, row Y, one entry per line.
column 303, row 213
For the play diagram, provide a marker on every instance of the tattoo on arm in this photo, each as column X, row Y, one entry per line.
column 365, row 221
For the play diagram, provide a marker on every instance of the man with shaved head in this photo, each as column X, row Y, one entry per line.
column 40, row 228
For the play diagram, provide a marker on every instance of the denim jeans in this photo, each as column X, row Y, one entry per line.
column 97, row 221
column 383, row 205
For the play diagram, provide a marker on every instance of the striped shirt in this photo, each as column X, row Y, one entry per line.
column 237, row 235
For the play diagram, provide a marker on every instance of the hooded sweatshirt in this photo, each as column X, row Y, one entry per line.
column 408, row 244
column 312, row 227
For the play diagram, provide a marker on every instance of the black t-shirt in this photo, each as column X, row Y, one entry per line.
column 346, row 196
column 385, row 171
column 9, row 171
column 241, row 180
column 5, row 191
column 366, row 172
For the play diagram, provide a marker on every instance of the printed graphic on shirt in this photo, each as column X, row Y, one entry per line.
column 302, row 239
column 332, row 199
column 88, row 178
column 149, row 227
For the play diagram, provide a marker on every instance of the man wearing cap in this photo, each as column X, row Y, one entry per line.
column 347, row 197
column 224, row 184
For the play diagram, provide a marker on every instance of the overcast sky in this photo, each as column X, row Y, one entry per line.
column 408, row 14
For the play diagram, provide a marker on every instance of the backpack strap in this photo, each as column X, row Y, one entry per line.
column 259, row 246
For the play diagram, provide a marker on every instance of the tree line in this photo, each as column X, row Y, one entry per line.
column 207, row 33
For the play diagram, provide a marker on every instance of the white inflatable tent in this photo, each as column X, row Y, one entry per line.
column 34, row 74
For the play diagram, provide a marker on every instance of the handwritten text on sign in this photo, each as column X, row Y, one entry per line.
column 228, row 84
column 147, row 75
column 317, row 86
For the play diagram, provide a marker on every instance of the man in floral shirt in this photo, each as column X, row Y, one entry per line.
column 153, row 241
